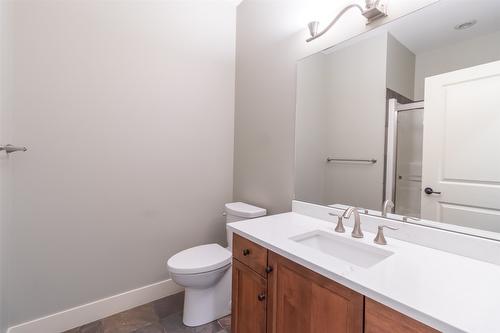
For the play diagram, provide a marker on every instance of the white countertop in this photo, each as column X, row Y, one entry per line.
column 446, row 291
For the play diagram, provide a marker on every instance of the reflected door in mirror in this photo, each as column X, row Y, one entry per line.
column 461, row 155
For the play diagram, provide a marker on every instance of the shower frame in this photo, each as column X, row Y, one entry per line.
column 392, row 138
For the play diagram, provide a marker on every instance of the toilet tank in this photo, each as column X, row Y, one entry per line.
column 237, row 211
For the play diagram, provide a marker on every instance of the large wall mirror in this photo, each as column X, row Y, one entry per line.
column 407, row 112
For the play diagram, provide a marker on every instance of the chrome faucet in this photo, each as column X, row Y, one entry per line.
column 340, row 227
column 380, row 238
column 356, row 231
column 387, row 207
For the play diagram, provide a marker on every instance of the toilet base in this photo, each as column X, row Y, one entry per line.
column 202, row 306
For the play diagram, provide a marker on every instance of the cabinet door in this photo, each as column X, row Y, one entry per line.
column 302, row 301
column 248, row 300
column 380, row 319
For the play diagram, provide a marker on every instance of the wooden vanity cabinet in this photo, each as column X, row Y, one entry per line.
column 272, row 294
column 300, row 301
column 248, row 300
column 250, row 254
column 249, row 287
column 382, row 319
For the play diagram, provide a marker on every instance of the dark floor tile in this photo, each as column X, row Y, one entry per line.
column 169, row 305
column 152, row 328
column 225, row 323
column 130, row 320
column 95, row 327
column 161, row 316
column 173, row 324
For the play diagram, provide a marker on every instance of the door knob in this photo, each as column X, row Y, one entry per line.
column 429, row 190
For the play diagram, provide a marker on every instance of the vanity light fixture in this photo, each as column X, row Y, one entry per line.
column 373, row 10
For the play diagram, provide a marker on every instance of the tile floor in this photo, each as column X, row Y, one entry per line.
column 161, row 316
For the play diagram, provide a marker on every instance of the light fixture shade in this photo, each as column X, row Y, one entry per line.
column 313, row 28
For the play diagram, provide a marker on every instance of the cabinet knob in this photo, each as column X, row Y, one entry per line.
column 261, row 297
column 246, row 252
column 269, row 269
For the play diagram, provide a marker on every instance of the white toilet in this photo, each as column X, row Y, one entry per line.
column 205, row 272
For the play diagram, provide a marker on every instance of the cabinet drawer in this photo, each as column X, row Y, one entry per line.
column 380, row 319
column 251, row 254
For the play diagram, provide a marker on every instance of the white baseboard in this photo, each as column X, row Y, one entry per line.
column 87, row 313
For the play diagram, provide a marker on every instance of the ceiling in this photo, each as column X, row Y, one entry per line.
column 434, row 25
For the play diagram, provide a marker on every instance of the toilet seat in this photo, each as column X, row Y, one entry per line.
column 199, row 259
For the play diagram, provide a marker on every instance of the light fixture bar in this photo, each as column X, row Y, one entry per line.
column 373, row 11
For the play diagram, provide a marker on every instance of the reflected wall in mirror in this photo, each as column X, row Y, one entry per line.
column 408, row 112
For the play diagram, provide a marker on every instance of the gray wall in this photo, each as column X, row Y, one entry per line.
column 127, row 109
column 270, row 38
column 265, row 86
column 311, row 130
column 356, row 89
column 400, row 68
column 4, row 176
column 341, row 113
column 5, row 168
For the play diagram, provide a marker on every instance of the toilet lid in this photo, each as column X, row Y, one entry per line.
column 199, row 259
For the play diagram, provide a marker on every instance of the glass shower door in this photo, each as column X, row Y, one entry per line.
column 409, row 162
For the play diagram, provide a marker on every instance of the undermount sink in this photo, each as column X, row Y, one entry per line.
column 352, row 251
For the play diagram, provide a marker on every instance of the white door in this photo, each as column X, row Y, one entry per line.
column 461, row 149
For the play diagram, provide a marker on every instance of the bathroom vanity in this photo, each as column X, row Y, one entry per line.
column 274, row 294
column 388, row 128
column 293, row 273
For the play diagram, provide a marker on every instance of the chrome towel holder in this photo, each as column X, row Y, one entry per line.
column 330, row 159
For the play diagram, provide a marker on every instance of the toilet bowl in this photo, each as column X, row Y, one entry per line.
column 205, row 272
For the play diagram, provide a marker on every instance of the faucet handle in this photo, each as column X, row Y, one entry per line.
column 340, row 225
column 380, row 238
